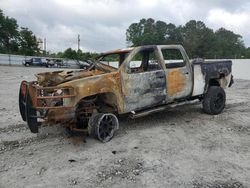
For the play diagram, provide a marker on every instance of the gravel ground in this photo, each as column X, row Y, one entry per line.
column 179, row 147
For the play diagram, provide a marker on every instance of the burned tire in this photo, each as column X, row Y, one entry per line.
column 214, row 100
column 22, row 104
column 31, row 116
column 93, row 120
column 103, row 126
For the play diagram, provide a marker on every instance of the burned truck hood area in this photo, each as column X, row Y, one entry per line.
column 55, row 78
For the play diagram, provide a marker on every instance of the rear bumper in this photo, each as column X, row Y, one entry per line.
column 38, row 104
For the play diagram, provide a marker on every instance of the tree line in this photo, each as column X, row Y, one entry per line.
column 198, row 39
column 22, row 41
column 70, row 53
column 16, row 40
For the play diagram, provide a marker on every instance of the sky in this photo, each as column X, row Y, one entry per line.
column 102, row 24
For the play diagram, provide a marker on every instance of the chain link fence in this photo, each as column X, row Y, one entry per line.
column 19, row 60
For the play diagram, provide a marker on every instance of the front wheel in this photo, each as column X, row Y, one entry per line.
column 103, row 126
column 214, row 100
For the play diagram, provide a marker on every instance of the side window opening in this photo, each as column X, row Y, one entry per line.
column 173, row 58
column 144, row 61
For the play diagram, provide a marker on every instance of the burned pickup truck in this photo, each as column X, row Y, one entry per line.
column 134, row 81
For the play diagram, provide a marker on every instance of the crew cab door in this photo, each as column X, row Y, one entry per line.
column 143, row 79
column 178, row 72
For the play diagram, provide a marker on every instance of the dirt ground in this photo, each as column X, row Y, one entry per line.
column 179, row 147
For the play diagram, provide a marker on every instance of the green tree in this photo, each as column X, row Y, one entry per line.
column 28, row 44
column 195, row 36
column 8, row 34
column 228, row 44
column 247, row 53
column 70, row 54
column 173, row 34
column 146, row 32
column 197, row 39
column 86, row 55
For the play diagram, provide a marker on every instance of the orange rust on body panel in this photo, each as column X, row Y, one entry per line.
column 105, row 83
column 32, row 91
column 126, row 50
column 176, row 82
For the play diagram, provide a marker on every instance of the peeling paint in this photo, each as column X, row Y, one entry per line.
column 176, row 82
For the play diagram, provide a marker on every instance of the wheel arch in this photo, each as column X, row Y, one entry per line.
column 107, row 97
column 213, row 82
column 221, row 81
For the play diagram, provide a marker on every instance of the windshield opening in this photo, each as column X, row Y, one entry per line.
column 114, row 60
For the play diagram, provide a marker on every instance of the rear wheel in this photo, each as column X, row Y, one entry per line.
column 103, row 126
column 214, row 100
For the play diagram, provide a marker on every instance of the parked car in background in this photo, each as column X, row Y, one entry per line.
column 58, row 62
column 36, row 61
column 50, row 63
column 55, row 63
column 83, row 64
column 76, row 64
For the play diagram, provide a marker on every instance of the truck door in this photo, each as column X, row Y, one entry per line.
column 143, row 80
column 178, row 73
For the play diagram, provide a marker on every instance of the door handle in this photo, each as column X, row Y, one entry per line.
column 186, row 72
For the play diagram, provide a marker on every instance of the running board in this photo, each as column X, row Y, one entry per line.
column 146, row 112
column 135, row 115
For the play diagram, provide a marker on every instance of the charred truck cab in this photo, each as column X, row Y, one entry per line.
column 134, row 81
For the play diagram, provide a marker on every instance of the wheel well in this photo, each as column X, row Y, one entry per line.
column 87, row 106
column 213, row 82
column 109, row 99
column 105, row 102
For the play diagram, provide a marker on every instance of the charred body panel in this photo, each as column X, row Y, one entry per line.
column 144, row 90
column 145, row 86
column 100, row 84
column 179, row 76
column 37, row 103
column 179, row 83
column 199, row 81
column 213, row 72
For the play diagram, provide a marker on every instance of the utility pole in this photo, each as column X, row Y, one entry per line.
column 78, row 42
column 44, row 45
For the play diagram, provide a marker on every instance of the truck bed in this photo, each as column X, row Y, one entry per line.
column 214, row 69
